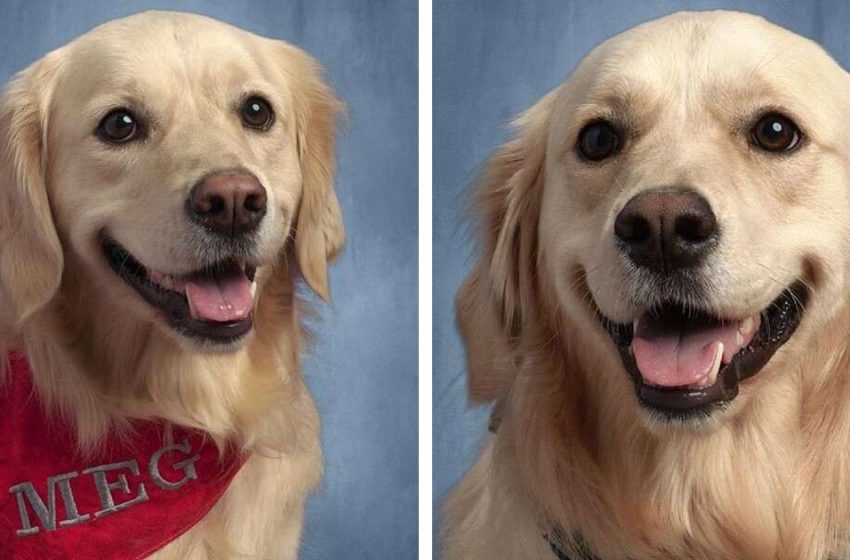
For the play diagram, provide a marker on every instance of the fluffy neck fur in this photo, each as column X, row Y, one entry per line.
column 101, row 369
column 771, row 483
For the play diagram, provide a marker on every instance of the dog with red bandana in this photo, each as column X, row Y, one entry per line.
column 165, row 182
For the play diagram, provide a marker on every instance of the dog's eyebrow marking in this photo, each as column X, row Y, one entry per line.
column 626, row 101
column 623, row 93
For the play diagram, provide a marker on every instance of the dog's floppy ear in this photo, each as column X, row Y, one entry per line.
column 319, row 231
column 30, row 253
column 498, row 297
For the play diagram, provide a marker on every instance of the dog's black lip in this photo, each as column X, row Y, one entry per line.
column 174, row 305
column 779, row 321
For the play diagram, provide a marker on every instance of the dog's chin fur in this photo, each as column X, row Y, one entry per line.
column 575, row 457
column 126, row 361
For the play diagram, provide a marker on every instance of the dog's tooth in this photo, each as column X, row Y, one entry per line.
column 711, row 374
column 709, row 378
column 747, row 326
column 192, row 312
column 253, row 289
column 635, row 325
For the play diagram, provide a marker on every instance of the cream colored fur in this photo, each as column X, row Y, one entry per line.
column 98, row 351
column 769, row 477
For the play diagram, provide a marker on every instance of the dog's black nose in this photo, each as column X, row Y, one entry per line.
column 667, row 229
column 228, row 203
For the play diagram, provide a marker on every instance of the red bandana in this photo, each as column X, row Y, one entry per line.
column 126, row 502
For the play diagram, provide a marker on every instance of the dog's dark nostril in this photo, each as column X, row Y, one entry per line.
column 631, row 227
column 666, row 229
column 695, row 227
column 213, row 204
column 256, row 202
column 228, row 203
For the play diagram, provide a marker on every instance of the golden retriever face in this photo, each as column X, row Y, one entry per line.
column 688, row 190
column 178, row 155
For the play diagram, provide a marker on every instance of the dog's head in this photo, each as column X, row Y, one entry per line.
column 682, row 203
column 173, row 157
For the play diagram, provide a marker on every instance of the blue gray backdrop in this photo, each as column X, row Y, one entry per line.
column 493, row 59
column 363, row 364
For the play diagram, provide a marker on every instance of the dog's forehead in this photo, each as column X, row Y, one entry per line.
column 693, row 48
column 164, row 46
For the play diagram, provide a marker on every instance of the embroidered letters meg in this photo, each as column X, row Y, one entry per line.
column 106, row 478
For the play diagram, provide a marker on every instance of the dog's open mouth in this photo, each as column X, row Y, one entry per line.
column 684, row 361
column 214, row 304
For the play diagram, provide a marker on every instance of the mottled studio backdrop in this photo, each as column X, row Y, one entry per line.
column 493, row 59
column 363, row 366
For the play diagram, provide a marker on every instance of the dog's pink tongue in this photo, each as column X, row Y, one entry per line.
column 675, row 353
column 221, row 297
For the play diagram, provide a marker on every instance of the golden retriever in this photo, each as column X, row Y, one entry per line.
column 166, row 180
column 660, row 307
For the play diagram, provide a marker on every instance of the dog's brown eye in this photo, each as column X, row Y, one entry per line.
column 257, row 113
column 776, row 133
column 118, row 126
column 597, row 141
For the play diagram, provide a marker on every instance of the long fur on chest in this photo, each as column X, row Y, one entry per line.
column 570, row 453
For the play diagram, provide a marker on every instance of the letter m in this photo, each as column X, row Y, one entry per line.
column 46, row 513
